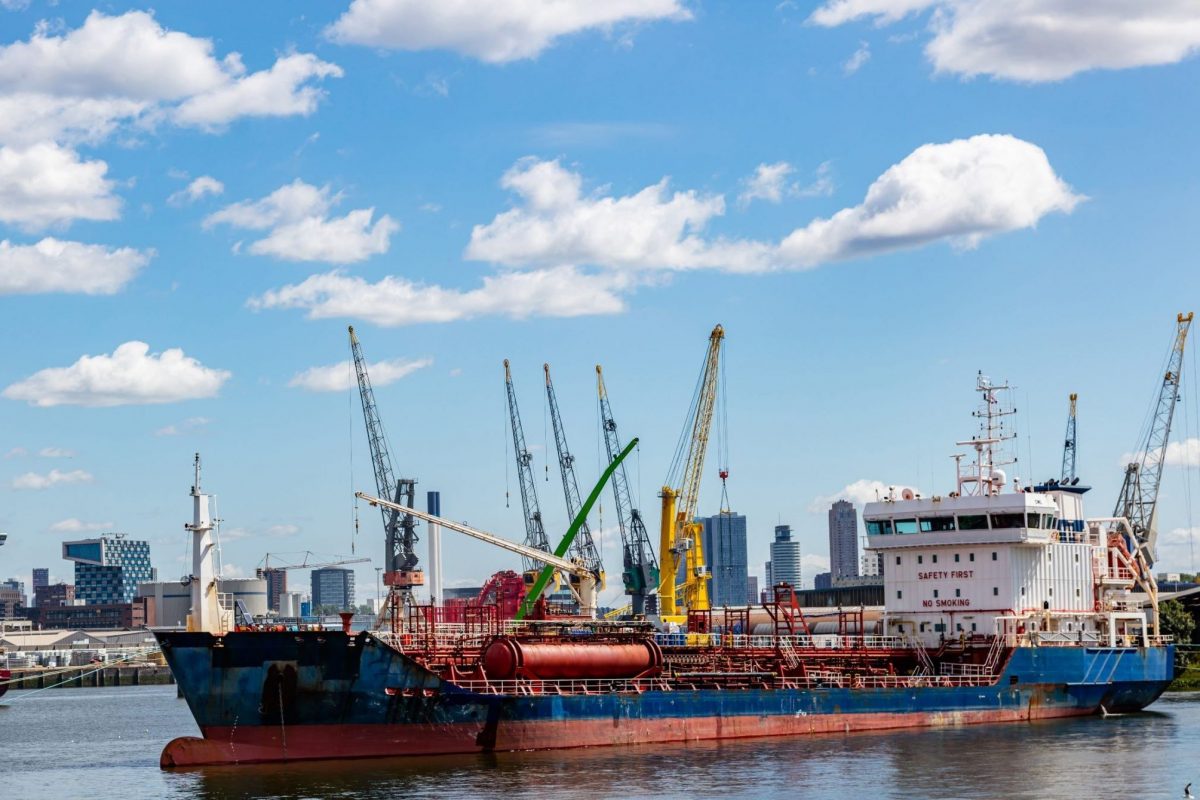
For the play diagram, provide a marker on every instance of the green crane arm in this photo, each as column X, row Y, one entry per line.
column 543, row 578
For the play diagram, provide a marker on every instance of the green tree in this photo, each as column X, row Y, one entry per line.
column 1175, row 620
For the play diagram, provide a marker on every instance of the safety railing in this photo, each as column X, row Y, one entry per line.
column 797, row 642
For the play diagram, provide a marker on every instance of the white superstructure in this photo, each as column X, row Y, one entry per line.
column 988, row 558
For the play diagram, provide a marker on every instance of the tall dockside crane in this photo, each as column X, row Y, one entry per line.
column 583, row 547
column 535, row 531
column 681, row 540
column 1068, row 465
column 1139, row 492
column 640, row 568
column 400, row 571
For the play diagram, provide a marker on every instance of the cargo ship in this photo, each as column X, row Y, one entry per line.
column 1003, row 603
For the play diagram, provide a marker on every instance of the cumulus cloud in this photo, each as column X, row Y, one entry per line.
column 198, row 189
column 961, row 191
column 16, row 452
column 37, row 481
column 45, row 184
column 1037, row 40
column 52, row 265
column 340, row 377
column 1178, row 454
column 769, row 182
column 279, row 531
column 73, row 525
column 299, row 227
column 187, row 426
column 81, row 84
column 131, row 375
column 859, row 493
column 56, row 452
column 496, row 31
column 392, row 301
column 860, row 56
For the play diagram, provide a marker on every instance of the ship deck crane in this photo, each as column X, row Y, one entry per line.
column 535, row 530
column 400, row 571
column 1138, row 500
column 1068, row 463
column 681, row 540
column 583, row 547
column 640, row 568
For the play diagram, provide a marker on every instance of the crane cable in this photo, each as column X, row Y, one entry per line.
column 350, row 417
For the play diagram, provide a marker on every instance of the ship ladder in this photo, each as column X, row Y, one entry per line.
column 993, row 657
column 790, row 657
column 923, row 659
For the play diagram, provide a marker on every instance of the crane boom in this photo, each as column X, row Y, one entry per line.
column 1068, row 464
column 679, row 533
column 640, row 568
column 400, row 554
column 584, row 546
column 1139, row 492
column 535, row 531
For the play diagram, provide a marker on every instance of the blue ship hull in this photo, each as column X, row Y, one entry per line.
column 273, row 696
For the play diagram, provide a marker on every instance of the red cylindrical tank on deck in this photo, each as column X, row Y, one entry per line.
column 507, row 658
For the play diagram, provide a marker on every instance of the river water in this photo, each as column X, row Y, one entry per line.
column 104, row 743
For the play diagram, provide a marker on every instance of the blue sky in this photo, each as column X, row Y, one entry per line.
column 876, row 198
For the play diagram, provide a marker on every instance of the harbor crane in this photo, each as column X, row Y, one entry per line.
column 681, row 540
column 640, row 568
column 400, row 564
column 535, row 531
column 1138, row 500
column 318, row 562
column 1068, row 463
column 583, row 548
column 579, row 574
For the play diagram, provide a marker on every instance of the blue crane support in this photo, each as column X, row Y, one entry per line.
column 535, row 531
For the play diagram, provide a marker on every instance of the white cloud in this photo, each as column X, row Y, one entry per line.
column 45, row 184
column 1038, row 40
column 56, row 452
column 81, row 84
column 282, row 531
column 860, row 56
column 16, row 452
column 300, row 229
column 36, row 481
column 558, row 292
column 187, row 426
column 495, row 31
column 811, row 564
column 53, row 265
column 73, row 525
column 200, row 188
column 1178, row 454
column 279, row 531
column 557, row 225
column 130, row 376
column 769, row 182
column 340, row 377
column 859, row 492
column 822, row 185
column 962, row 191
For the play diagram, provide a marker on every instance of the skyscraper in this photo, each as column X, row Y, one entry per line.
column 333, row 587
column 276, row 579
column 108, row 569
column 41, row 579
column 785, row 558
column 843, row 540
column 725, row 555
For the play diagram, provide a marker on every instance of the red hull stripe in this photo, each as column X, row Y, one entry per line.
column 226, row 745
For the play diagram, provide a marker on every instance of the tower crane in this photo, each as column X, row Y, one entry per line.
column 1068, row 464
column 681, row 541
column 583, row 547
column 1139, row 492
column 318, row 562
column 535, row 531
column 400, row 570
column 640, row 568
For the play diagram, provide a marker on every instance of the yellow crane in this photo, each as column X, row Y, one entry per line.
column 681, row 542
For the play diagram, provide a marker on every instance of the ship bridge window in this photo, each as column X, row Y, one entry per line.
column 972, row 522
column 1008, row 520
column 906, row 526
column 935, row 524
column 879, row 527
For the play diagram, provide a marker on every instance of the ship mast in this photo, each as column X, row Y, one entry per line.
column 984, row 476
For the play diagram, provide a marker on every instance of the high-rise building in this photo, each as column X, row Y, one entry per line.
column 12, row 598
column 872, row 563
column 108, row 569
column 276, row 585
column 785, row 558
column 843, row 540
column 18, row 587
column 54, row 595
column 41, row 579
column 752, row 590
column 770, row 578
column 724, row 542
column 333, row 587
column 823, row 580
